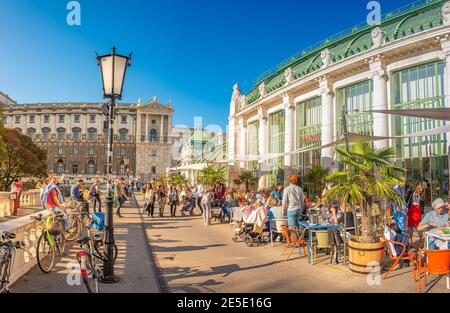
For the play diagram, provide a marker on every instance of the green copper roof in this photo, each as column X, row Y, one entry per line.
column 408, row 20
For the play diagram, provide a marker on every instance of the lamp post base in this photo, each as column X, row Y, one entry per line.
column 109, row 280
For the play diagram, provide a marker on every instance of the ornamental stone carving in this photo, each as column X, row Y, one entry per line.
column 243, row 101
column 377, row 37
column 325, row 55
column 289, row 75
column 446, row 13
column 236, row 92
column 262, row 89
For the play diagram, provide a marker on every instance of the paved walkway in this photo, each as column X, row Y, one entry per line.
column 196, row 258
column 133, row 265
column 191, row 257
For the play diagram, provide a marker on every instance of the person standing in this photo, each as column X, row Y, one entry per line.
column 206, row 203
column 15, row 194
column 94, row 196
column 121, row 195
column 415, row 212
column 173, row 200
column 200, row 192
column 161, row 199
column 150, row 197
column 19, row 188
column 293, row 202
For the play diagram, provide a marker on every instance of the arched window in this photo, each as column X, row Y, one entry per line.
column 91, row 167
column 153, row 135
column 60, row 167
column 61, row 134
column 76, row 132
column 32, row 134
column 46, row 133
column 92, row 134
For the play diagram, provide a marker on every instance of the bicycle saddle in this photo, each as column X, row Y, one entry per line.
column 83, row 241
column 8, row 235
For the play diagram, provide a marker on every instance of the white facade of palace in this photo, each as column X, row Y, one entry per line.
column 296, row 108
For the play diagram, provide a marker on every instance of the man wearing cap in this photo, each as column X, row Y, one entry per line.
column 434, row 219
column 293, row 202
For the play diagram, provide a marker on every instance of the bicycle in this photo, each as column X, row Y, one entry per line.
column 8, row 250
column 52, row 237
column 77, row 216
column 89, row 258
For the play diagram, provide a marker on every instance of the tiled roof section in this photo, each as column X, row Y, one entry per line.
column 405, row 21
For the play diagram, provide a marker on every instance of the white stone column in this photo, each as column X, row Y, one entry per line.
column 380, row 102
column 162, row 129
column 263, row 144
column 326, row 90
column 242, row 143
column 146, row 131
column 289, row 110
column 138, row 126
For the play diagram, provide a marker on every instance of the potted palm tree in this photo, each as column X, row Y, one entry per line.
column 368, row 182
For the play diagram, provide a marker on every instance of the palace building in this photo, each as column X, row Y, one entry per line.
column 292, row 116
column 75, row 135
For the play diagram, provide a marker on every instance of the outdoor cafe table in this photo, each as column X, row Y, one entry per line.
column 316, row 227
column 435, row 233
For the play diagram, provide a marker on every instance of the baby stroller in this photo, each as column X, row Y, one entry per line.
column 217, row 211
column 252, row 223
column 189, row 206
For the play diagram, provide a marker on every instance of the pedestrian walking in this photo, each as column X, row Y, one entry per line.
column 200, row 192
column 161, row 199
column 150, row 198
column 206, row 203
column 121, row 195
column 94, row 196
column 173, row 200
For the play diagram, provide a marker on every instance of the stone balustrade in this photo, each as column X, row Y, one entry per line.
column 31, row 198
column 27, row 231
column 27, row 198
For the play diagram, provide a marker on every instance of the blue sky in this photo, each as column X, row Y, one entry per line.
column 189, row 51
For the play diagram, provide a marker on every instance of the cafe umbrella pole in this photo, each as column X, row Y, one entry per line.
column 347, row 147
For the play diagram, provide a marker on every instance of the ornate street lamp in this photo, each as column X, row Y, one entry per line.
column 113, row 69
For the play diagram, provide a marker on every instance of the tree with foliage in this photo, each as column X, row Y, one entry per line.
column 369, row 178
column 163, row 180
column 248, row 179
column 211, row 174
column 179, row 180
column 315, row 179
column 21, row 158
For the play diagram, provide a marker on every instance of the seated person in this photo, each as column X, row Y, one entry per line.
column 338, row 218
column 434, row 219
column 76, row 195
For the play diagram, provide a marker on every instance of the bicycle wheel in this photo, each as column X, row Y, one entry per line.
column 4, row 277
column 45, row 254
column 90, row 277
column 74, row 229
column 61, row 243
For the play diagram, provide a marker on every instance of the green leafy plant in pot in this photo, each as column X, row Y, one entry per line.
column 367, row 182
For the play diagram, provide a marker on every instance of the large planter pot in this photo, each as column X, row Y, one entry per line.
column 363, row 256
